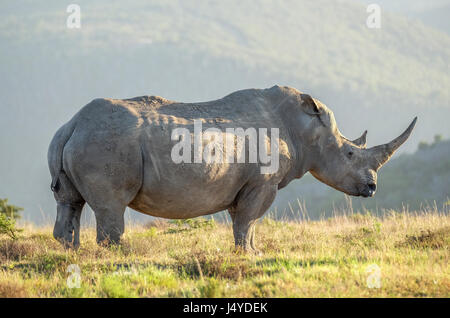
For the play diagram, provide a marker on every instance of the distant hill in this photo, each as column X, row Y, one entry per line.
column 200, row 50
column 433, row 13
column 409, row 181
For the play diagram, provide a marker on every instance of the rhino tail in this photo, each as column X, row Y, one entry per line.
column 55, row 152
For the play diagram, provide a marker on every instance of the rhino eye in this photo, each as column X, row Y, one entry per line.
column 350, row 154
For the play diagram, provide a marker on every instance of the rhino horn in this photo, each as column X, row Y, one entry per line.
column 361, row 141
column 382, row 153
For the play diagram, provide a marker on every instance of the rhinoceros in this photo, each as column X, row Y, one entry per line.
column 118, row 153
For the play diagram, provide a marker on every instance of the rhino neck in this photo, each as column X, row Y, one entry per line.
column 303, row 157
column 301, row 160
column 295, row 125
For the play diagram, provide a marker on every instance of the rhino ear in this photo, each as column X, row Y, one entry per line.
column 361, row 141
column 310, row 107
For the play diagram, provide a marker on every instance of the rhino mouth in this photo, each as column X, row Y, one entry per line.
column 367, row 190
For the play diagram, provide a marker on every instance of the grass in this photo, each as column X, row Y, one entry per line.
column 408, row 255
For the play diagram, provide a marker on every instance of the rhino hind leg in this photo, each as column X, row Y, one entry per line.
column 109, row 178
column 109, row 209
column 249, row 206
column 69, row 207
column 110, row 222
column 109, row 199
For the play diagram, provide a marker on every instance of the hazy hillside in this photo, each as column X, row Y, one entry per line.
column 431, row 12
column 411, row 181
column 199, row 50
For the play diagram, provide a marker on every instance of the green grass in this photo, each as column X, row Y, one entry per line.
column 328, row 258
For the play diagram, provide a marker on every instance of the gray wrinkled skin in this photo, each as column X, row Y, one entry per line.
column 117, row 153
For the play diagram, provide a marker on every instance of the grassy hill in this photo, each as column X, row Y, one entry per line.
column 400, row 255
column 191, row 51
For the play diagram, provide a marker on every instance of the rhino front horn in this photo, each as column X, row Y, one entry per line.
column 382, row 153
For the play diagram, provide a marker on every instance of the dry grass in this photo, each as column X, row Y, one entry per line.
column 328, row 258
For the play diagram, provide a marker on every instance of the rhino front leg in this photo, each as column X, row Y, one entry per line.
column 250, row 205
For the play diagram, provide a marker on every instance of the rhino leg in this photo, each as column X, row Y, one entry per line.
column 67, row 225
column 69, row 207
column 250, row 205
column 110, row 223
column 107, row 168
column 252, row 239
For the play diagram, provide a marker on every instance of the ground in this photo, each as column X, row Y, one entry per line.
column 399, row 255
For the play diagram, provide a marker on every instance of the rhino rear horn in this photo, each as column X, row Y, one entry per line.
column 361, row 141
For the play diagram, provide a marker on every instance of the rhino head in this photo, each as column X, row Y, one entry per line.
column 346, row 165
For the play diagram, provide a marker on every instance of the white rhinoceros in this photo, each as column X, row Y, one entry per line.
column 118, row 153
